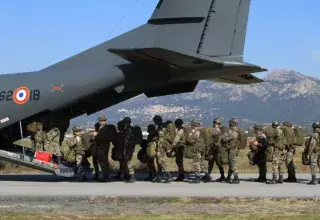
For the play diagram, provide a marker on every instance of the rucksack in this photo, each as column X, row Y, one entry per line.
column 137, row 136
column 270, row 135
column 32, row 127
column 170, row 132
column 207, row 135
column 298, row 137
column 242, row 137
column 288, row 135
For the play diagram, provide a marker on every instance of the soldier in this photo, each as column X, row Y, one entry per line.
column 76, row 152
column 278, row 155
column 290, row 151
column 260, row 158
column 314, row 152
column 152, row 137
column 179, row 147
column 129, row 146
column 214, row 148
column 161, row 152
column 231, row 142
column 101, row 150
column 117, row 151
column 196, row 141
column 88, row 142
column 53, row 141
column 39, row 138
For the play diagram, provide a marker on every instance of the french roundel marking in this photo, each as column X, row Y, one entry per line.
column 21, row 95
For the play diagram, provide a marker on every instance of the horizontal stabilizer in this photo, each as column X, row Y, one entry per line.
column 172, row 89
column 164, row 57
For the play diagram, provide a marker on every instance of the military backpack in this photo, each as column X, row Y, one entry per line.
column 298, row 137
column 288, row 135
column 206, row 133
column 242, row 138
column 170, row 132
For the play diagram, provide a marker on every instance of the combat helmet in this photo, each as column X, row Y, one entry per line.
column 287, row 123
column 76, row 128
column 157, row 118
column 102, row 118
column 275, row 124
column 233, row 122
column 195, row 122
column 258, row 127
column 126, row 120
column 316, row 125
column 178, row 122
column 217, row 121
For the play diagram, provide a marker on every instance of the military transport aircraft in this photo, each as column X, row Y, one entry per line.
column 183, row 42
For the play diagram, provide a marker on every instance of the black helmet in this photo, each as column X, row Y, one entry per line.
column 126, row 120
column 157, row 118
column 178, row 122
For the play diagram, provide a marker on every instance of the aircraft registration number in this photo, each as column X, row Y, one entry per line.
column 8, row 95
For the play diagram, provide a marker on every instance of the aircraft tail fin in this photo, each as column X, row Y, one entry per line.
column 213, row 28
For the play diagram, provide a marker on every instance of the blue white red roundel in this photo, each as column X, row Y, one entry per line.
column 21, row 95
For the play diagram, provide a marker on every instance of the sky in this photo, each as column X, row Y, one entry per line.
column 35, row 33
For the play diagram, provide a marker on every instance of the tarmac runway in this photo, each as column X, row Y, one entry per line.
column 42, row 185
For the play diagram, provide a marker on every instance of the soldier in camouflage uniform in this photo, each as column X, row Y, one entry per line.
column 214, row 150
column 161, row 150
column 289, row 156
column 278, row 154
column 76, row 152
column 260, row 157
column 101, row 150
column 53, row 141
column 314, row 152
column 39, row 138
column 129, row 147
column 179, row 148
column 231, row 142
column 152, row 137
column 196, row 141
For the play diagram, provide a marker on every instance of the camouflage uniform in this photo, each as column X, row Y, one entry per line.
column 314, row 153
column 53, row 141
column 260, row 158
column 214, row 150
column 278, row 154
column 126, row 162
column 198, row 150
column 76, row 152
column 179, row 148
column 39, row 138
column 231, row 142
column 161, row 152
column 152, row 136
column 88, row 142
column 101, row 150
column 289, row 157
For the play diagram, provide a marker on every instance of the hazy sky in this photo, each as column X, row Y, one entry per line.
column 37, row 33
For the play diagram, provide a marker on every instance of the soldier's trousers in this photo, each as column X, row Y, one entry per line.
column 232, row 155
column 278, row 161
column 179, row 159
column 289, row 162
column 80, row 169
column 126, row 167
column 198, row 162
column 161, row 160
column 211, row 165
column 150, row 165
column 315, row 162
column 103, row 159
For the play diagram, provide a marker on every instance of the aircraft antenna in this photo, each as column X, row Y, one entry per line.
column 117, row 25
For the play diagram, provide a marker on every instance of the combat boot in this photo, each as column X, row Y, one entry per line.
column 273, row 180
column 196, row 179
column 130, row 179
column 228, row 179
column 261, row 179
column 180, row 178
column 169, row 179
column 207, row 178
column 313, row 180
column 151, row 176
column 280, row 180
column 222, row 178
column 157, row 179
column 235, row 180
column 119, row 176
column 291, row 179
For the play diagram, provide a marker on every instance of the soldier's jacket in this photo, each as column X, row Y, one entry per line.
column 216, row 137
column 260, row 155
column 279, row 139
column 53, row 141
column 88, row 142
column 39, row 140
column 178, row 140
column 75, row 147
column 128, row 145
column 314, row 145
column 230, row 139
column 102, row 137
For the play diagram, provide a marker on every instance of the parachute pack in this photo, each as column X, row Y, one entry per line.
column 206, row 133
column 170, row 132
column 137, row 136
column 288, row 135
column 242, row 137
column 32, row 127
